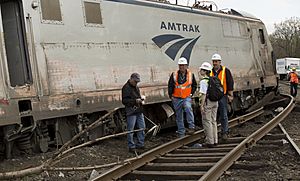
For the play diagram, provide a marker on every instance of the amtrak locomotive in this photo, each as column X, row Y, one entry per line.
column 63, row 63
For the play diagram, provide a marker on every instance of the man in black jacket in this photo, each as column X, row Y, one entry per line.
column 132, row 100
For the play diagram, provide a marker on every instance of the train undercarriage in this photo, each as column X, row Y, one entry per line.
column 42, row 135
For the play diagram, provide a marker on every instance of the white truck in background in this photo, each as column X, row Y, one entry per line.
column 285, row 65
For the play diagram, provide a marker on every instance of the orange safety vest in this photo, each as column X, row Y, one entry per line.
column 222, row 77
column 294, row 78
column 183, row 90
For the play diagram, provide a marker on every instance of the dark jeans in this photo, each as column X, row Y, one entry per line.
column 294, row 87
column 138, row 121
column 222, row 114
column 180, row 106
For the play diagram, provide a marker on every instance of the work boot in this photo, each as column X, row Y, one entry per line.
column 224, row 136
column 207, row 145
column 190, row 131
column 140, row 147
column 132, row 150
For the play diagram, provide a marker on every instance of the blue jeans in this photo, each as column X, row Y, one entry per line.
column 138, row 120
column 222, row 114
column 294, row 88
column 185, row 105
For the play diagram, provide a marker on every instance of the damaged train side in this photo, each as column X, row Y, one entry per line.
column 63, row 63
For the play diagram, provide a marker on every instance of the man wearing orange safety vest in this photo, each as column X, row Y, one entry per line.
column 293, row 82
column 224, row 74
column 182, row 85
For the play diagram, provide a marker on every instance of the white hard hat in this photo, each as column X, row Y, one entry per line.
column 206, row 66
column 182, row 61
column 216, row 57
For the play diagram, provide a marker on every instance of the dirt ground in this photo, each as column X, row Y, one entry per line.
column 277, row 162
column 109, row 151
column 280, row 163
column 271, row 162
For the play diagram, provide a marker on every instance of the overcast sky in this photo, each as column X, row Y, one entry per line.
column 269, row 11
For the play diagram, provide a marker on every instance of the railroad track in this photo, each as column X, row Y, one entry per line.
column 267, row 155
column 290, row 140
column 177, row 161
column 284, row 82
column 287, row 83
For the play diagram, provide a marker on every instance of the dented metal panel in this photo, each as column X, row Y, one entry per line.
column 79, row 69
column 2, row 76
column 101, row 59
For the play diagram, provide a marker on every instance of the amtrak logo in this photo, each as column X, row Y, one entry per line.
column 179, row 43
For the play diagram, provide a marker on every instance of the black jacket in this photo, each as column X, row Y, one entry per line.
column 229, row 79
column 129, row 95
column 171, row 84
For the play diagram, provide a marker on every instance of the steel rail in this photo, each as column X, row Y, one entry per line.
column 121, row 170
column 294, row 145
column 222, row 165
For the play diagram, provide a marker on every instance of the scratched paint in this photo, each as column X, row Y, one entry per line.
column 2, row 111
column 93, row 63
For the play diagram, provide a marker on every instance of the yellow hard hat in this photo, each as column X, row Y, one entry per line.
column 294, row 68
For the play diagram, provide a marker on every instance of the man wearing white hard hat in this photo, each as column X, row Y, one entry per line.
column 182, row 85
column 224, row 74
column 208, row 107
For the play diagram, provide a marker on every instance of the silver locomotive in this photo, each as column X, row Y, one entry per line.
column 63, row 63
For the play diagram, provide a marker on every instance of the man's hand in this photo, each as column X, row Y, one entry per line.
column 201, row 108
column 171, row 97
column 139, row 101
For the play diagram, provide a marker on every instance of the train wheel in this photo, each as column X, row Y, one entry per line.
column 24, row 143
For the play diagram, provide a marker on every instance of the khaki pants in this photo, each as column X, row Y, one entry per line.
column 209, row 121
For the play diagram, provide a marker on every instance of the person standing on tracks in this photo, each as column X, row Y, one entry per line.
column 132, row 100
column 293, row 82
column 181, row 86
column 208, row 108
column 225, row 76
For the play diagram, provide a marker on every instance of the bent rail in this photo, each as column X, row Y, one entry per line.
column 294, row 145
column 121, row 170
column 222, row 165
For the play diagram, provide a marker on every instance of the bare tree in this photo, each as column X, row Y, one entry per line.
column 286, row 38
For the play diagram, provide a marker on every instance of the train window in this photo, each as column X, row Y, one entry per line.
column 226, row 27
column 51, row 10
column 243, row 29
column 262, row 37
column 92, row 13
column 234, row 28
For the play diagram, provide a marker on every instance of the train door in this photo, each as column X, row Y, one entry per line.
column 257, row 52
column 15, row 43
column 264, row 51
column 16, row 50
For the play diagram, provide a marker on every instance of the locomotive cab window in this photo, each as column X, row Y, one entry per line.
column 234, row 28
column 92, row 13
column 261, row 36
column 51, row 11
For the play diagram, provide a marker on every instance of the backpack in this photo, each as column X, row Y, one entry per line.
column 215, row 90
